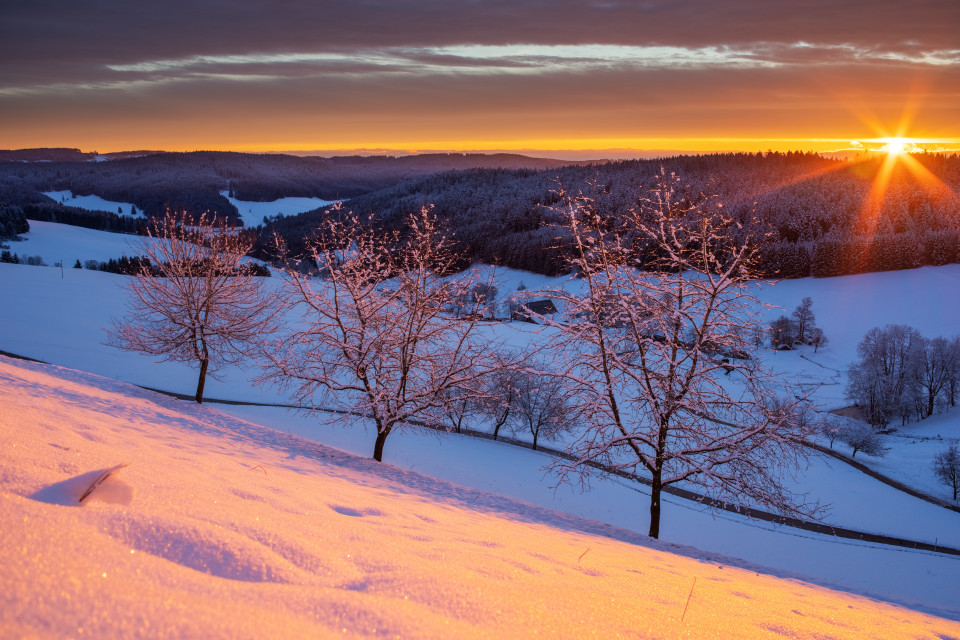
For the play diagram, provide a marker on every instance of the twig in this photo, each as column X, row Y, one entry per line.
column 582, row 554
column 259, row 466
column 688, row 598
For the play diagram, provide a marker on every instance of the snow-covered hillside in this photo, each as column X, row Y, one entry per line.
column 61, row 318
column 63, row 243
column 222, row 528
column 93, row 203
column 252, row 213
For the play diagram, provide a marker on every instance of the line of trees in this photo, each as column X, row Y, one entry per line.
column 649, row 370
column 14, row 258
column 903, row 375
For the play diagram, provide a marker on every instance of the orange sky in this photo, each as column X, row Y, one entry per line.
column 408, row 75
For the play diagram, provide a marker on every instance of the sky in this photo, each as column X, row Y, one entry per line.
column 535, row 76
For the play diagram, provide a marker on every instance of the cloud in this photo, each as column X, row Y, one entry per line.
column 522, row 67
column 41, row 35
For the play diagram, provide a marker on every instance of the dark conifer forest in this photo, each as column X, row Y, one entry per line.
column 813, row 215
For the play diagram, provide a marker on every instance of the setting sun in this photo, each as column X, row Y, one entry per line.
column 896, row 146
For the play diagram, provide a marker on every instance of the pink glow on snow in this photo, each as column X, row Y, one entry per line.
column 231, row 529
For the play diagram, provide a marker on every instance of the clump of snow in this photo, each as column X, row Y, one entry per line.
column 237, row 530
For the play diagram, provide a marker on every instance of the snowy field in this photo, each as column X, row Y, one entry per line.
column 93, row 203
column 62, row 320
column 252, row 213
column 62, row 243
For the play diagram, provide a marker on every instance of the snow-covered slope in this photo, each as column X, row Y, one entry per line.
column 56, row 242
column 222, row 528
column 61, row 318
column 252, row 213
column 93, row 203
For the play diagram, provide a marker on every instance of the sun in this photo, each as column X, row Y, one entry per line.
column 896, row 146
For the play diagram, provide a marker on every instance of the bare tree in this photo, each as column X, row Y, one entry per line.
column 459, row 403
column 375, row 339
column 946, row 466
column 803, row 319
column 193, row 300
column 931, row 365
column 818, row 338
column 830, row 430
column 860, row 436
column 499, row 397
column 878, row 381
column 953, row 380
column 542, row 406
column 645, row 354
column 783, row 333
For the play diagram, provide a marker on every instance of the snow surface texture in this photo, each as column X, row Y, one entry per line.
column 234, row 530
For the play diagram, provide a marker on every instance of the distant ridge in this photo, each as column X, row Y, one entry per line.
column 62, row 154
column 500, row 160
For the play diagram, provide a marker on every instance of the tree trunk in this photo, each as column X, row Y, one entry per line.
column 202, row 380
column 378, row 446
column 656, row 488
column 502, row 420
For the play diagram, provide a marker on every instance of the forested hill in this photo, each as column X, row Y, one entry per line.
column 822, row 217
column 193, row 181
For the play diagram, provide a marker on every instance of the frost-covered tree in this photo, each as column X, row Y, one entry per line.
column 803, row 320
column 644, row 354
column 946, row 466
column 878, row 381
column 953, row 381
column 830, row 430
column 783, row 333
column 375, row 337
column 484, row 296
column 192, row 300
column 459, row 403
column 541, row 407
column 931, row 366
column 818, row 338
column 861, row 437
column 500, row 387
